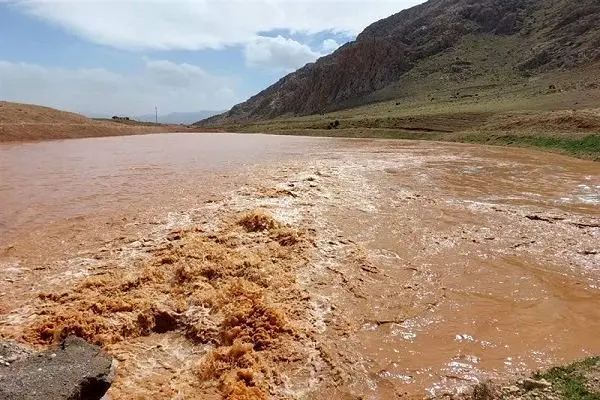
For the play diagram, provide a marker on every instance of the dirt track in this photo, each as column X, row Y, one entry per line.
column 373, row 269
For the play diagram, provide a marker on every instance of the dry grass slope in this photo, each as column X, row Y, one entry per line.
column 15, row 113
column 551, row 111
column 455, row 46
column 26, row 122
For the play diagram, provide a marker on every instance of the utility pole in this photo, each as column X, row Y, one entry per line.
column 156, row 114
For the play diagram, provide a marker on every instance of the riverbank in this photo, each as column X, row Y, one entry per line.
column 580, row 145
column 556, row 117
column 576, row 381
column 573, row 132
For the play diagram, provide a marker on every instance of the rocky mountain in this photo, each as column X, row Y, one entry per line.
column 437, row 43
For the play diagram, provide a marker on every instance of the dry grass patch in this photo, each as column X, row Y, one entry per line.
column 561, row 121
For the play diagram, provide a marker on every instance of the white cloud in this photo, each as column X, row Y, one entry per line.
column 170, row 86
column 198, row 24
column 278, row 53
column 329, row 45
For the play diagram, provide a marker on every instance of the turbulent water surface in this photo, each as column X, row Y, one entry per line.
column 366, row 267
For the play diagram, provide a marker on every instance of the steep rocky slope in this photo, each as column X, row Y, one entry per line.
column 490, row 41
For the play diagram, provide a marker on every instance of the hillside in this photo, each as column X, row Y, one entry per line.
column 437, row 48
column 16, row 113
column 26, row 122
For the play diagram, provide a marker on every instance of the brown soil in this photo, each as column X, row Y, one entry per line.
column 570, row 121
column 26, row 122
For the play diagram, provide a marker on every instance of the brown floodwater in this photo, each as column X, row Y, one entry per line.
column 435, row 265
column 487, row 265
column 55, row 180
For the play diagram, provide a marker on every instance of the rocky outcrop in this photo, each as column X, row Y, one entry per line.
column 74, row 370
column 11, row 352
column 548, row 34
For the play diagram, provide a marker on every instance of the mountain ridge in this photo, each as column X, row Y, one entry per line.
column 533, row 36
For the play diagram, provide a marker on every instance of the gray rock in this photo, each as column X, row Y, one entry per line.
column 74, row 370
column 11, row 352
column 512, row 389
column 531, row 384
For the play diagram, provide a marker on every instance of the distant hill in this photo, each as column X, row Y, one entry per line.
column 438, row 45
column 17, row 113
column 25, row 122
column 178, row 117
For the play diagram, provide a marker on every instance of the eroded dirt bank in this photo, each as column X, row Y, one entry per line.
column 355, row 269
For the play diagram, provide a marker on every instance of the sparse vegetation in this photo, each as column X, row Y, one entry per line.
column 584, row 147
column 577, row 381
column 521, row 58
column 516, row 115
column 333, row 125
column 451, row 48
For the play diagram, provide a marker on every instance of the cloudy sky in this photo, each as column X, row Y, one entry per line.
column 124, row 57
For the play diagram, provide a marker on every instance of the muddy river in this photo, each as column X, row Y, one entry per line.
column 301, row 267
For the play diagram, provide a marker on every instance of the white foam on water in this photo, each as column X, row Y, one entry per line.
column 398, row 377
column 584, row 194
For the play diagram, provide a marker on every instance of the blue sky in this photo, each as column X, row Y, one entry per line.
column 124, row 57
